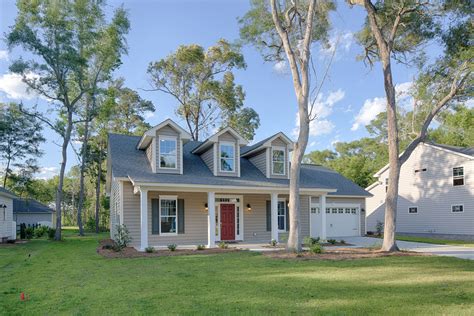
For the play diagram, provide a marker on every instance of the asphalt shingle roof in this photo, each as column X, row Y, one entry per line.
column 30, row 206
column 462, row 150
column 127, row 161
column 3, row 190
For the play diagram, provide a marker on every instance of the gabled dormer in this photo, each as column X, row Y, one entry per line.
column 163, row 145
column 271, row 155
column 221, row 152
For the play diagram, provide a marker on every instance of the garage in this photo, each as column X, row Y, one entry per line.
column 342, row 220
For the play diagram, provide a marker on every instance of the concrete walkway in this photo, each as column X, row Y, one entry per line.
column 438, row 250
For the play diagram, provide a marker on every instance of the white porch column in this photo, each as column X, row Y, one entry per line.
column 322, row 205
column 211, row 219
column 274, row 212
column 143, row 219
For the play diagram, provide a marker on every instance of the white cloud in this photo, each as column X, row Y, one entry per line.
column 47, row 172
column 149, row 114
column 341, row 41
column 281, row 67
column 370, row 109
column 3, row 55
column 316, row 127
column 13, row 86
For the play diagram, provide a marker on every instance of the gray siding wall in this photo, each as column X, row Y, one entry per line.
column 432, row 192
column 115, row 195
column 32, row 218
column 149, row 153
column 260, row 161
column 168, row 131
column 207, row 157
column 279, row 143
column 131, row 213
column 227, row 137
column 6, row 224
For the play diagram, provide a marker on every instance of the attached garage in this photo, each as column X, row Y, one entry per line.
column 343, row 218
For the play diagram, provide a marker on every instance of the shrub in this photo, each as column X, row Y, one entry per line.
column 309, row 241
column 22, row 231
column 172, row 247
column 40, row 231
column 332, row 241
column 223, row 245
column 51, row 233
column 342, row 241
column 379, row 228
column 150, row 249
column 29, row 232
column 122, row 237
column 273, row 243
column 200, row 247
column 316, row 248
column 90, row 224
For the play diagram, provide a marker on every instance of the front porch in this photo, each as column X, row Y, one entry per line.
column 190, row 218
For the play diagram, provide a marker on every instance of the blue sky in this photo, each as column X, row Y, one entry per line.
column 351, row 96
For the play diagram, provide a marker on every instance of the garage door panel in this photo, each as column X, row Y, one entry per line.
column 341, row 221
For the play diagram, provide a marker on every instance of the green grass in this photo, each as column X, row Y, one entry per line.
column 465, row 243
column 69, row 277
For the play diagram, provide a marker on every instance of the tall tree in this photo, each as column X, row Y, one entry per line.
column 20, row 139
column 202, row 83
column 57, row 34
column 105, row 57
column 395, row 30
column 289, row 28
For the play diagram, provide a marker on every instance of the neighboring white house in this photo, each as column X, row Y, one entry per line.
column 31, row 212
column 436, row 192
column 7, row 226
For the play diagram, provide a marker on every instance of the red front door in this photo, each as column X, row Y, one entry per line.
column 227, row 222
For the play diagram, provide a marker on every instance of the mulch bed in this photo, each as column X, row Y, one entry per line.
column 130, row 252
column 341, row 254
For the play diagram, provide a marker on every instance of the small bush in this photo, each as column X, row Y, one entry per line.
column 309, row 241
column 370, row 233
column 273, row 243
column 342, row 241
column 41, row 231
column 332, row 241
column 316, row 248
column 223, row 245
column 90, row 224
column 150, row 249
column 29, row 232
column 379, row 228
column 51, row 233
column 122, row 237
column 172, row 247
column 200, row 247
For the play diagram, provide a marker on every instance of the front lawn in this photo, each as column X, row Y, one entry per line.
column 69, row 277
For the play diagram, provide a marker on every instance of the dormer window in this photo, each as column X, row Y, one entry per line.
column 168, row 152
column 227, row 157
column 278, row 160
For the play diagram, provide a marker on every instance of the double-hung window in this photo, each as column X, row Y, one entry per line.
column 168, row 215
column 282, row 215
column 168, row 152
column 458, row 176
column 278, row 161
column 227, row 157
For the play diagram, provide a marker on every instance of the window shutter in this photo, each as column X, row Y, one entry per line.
column 287, row 213
column 155, row 216
column 180, row 216
column 269, row 216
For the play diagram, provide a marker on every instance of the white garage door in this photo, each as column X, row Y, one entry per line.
column 342, row 220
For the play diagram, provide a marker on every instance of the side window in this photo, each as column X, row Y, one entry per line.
column 457, row 208
column 281, row 216
column 458, row 176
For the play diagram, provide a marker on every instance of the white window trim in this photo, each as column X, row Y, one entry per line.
column 285, row 215
column 168, row 197
column 233, row 158
column 457, row 205
column 238, row 207
column 463, row 177
column 284, row 160
column 166, row 137
column 408, row 209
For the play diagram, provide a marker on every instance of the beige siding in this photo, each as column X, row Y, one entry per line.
column 168, row 131
column 6, row 222
column 149, row 153
column 227, row 137
column 260, row 161
column 115, row 197
column 255, row 222
column 207, row 157
column 278, row 142
column 432, row 192
column 131, row 213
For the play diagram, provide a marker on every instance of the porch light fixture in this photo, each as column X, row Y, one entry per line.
column 249, row 208
column 205, row 207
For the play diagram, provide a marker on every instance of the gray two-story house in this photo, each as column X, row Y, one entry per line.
column 166, row 188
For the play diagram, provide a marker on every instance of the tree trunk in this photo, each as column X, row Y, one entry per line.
column 5, row 177
column 82, row 172
column 97, row 191
column 59, row 191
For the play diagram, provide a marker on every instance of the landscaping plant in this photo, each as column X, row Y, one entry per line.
column 122, row 237
column 172, row 247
